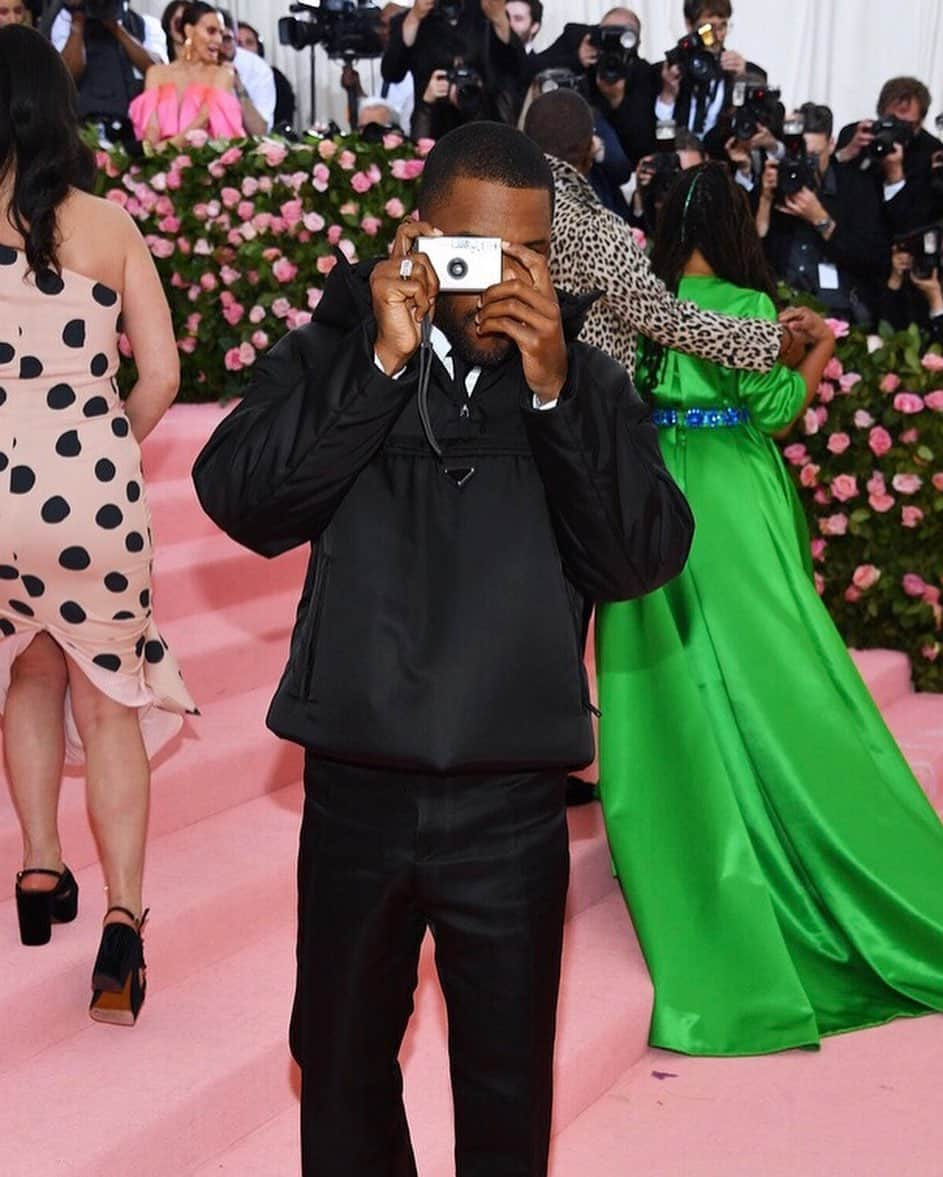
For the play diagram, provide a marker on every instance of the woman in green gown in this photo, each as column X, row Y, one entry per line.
column 782, row 866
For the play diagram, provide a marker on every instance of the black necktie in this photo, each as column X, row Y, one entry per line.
column 460, row 372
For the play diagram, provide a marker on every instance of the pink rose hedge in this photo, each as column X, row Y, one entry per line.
column 867, row 461
column 244, row 235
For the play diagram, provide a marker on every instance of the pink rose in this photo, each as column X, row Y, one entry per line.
column 880, row 441
column 230, row 197
column 371, row 226
column 839, row 327
column 360, row 183
column 348, row 249
column 327, row 149
column 863, row 419
column 819, row 583
column 208, row 281
column 932, row 362
column 230, row 156
column 232, row 360
column 391, row 141
column 932, row 652
column 908, row 402
column 193, row 322
column 931, row 596
column 349, row 209
column 395, row 208
column 173, row 179
column 216, row 170
column 250, row 185
column 374, row 175
column 187, row 345
column 284, row 270
column 406, row 169
column 347, row 160
column 314, row 297
column 876, row 484
column 906, row 484
column 819, row 547
column 246, row 354
column 298, row 318
column 259, row 340
column 245, row 210
column 164, row 207
column 910, row 437
column 292, row 212
column 233, row 313
column 161, row 247
column 822, row 497
column 227, row 298
column 838, row 443
column 265, row 184
column 826, row 392
column 124, row 346
column 810, row 422
column 326, row 264
column 320, row 177
column 257, row 314
column 934, row 400
column 849, row 380
column 272, row 254
column 938, row 481
column 866, row 576
column 117, row 196
column 796, row 454
column 809, row 474
column 911, row 516
column 169, row 224
column 852, row 594
column 229, row 275
column 834, row 525
column 334, row 234
column 281, row 307
column 313, row 222
column 845, row 487
column 890, row 382
column 914, row 585
column 261, row 221
column 833, row 369
column 273, row 153
column 881, row 503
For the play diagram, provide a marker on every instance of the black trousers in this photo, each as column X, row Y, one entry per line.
column 483, row 861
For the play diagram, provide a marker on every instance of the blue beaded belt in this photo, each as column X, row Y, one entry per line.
column 700, row 418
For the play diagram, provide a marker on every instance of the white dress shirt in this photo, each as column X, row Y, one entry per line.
column 154, row 40
column 259, row 81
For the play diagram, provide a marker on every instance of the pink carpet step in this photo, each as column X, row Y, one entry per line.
column 866, row 1105
column 917, row 724
column 176, row 512
column 887, row 674
column 169, row 452
column 225, row 757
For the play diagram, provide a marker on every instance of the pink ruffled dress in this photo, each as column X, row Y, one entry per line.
column 175, row 113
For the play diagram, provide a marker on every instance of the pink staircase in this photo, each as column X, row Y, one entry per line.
column 205, row 1086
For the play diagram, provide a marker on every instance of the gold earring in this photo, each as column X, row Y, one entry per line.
column 188, row 49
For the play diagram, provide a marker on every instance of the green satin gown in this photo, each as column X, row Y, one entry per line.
column 781, row 864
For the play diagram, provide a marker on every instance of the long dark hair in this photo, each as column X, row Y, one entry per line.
column 166, row 17
column 704, row 209
column 39, row 140
column 196, row 11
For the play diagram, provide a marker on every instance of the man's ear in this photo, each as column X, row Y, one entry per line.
column 534, row 31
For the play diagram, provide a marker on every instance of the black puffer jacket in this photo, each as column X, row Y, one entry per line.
column 441, row 628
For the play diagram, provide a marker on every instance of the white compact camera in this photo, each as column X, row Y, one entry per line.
column 464, row 265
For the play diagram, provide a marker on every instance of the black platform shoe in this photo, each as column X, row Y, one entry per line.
column 119, row 979
column 37, row 911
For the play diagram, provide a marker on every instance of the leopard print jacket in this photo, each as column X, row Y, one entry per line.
column 593, row 249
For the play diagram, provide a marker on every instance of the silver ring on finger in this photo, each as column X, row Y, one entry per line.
column 406, row 268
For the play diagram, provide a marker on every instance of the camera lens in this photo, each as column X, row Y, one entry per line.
column 457, row 268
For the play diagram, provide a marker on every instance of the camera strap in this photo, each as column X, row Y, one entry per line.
column 458, row 473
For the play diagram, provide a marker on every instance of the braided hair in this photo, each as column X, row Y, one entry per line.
column 704, row 209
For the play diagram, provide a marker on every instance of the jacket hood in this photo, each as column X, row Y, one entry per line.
column 346, row 301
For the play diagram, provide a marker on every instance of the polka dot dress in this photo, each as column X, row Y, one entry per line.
column 75, row 539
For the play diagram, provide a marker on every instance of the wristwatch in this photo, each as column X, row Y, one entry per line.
column 823, row 226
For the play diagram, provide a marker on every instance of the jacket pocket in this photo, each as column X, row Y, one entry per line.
column 312, row 628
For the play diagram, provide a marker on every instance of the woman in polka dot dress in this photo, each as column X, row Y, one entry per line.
column 83, row 669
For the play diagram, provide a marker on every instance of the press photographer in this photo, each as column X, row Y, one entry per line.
column 913, row 293
column 698, row 74
column 822, row 225
column 465, row 61
column 749, row 132
column 525, row 18
column 677, row 151
column 618, row 83
column 107, row 48
column 903, row 157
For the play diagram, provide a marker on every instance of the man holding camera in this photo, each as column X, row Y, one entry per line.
column 471, row 479
column 465, row 61
column 618, row 83
column 525, row 18
column 822, row 224
column 108, row 48
column 905, row 159
column 698, row 75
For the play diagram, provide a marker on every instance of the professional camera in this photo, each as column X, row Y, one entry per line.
column 926, row 248
column 694, row 57
column 888, row 132
column 797, row 169
column 347, row 29
column 465, row 265
column 549, row 80
column 450, row 9
column 469, row 88
column 618, row 46
column 755, row 105
column 106, row 11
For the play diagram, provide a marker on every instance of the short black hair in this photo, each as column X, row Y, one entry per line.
column 487, row 151
column 695, row 8
column 686, row 140
column 536, row 10
column 819, row 119
column 561, row 124
column 244, row 24
column 896, row 89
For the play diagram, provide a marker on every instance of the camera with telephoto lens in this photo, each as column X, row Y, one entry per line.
column 464, row 265
column 549, row 80
column 925, row 246
column 797, row 169
column 888, row 132
column 755, row 105
column 469, row 88
column 618, row 46
column 665, row 165
column 347, row 29
column 695, row 57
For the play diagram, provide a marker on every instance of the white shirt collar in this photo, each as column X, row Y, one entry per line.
column 443, row 350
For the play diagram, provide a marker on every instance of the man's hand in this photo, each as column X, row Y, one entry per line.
column 931, row 290
column 732, row 62
column 806, row 204
column 670, row 82
column 438, row 87
column 738, row 152
column 495, row 12
column 613, row 92
column 587, row 53
column 859, row 142
column 524, row 307
column 399, row 303
column 806, row 325
column 764, row 139
column 893, row 165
